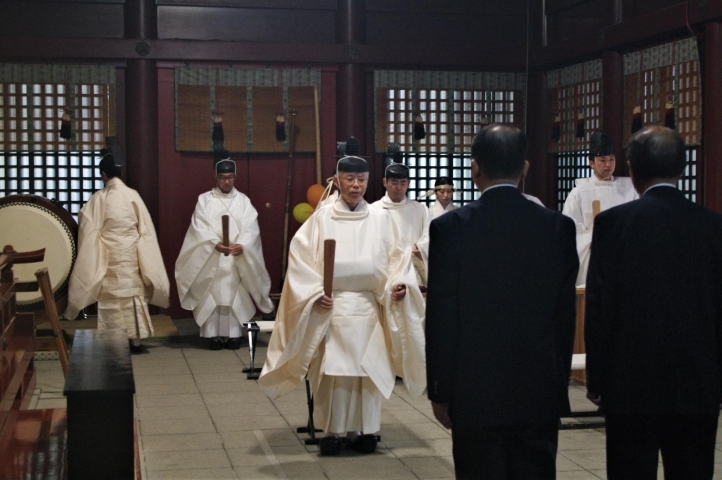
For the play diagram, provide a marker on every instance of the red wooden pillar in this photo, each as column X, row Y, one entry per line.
column 613, row 106
column 542, row 170
column 540, row 180
column 712, row 116
column 351, row 82
column 141, row 105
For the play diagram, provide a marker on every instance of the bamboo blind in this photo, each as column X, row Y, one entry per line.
column 232, row 103
column 247, row 126
column 301, row 99
column 194, row 118
column 267, row 104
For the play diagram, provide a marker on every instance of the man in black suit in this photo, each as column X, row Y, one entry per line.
column 653, row 328
column 500, row 319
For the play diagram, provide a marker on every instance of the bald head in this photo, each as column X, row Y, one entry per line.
column 656, row 152
column 500, row 151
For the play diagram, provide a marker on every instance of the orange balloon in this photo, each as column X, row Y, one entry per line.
column 313, row 195
column 302, row 211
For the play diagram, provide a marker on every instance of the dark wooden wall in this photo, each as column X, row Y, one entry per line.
column 347, row 40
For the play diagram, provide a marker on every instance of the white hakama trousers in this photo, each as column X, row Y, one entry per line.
column 128, row 313
column 221, row 324
column 225, row 293
column 347, row 404
column 121, row 301
column 346, row 398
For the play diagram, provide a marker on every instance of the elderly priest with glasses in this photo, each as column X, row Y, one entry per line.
column 353, row 343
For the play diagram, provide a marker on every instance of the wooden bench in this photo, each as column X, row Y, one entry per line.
column 32, row 442
column 99, row 389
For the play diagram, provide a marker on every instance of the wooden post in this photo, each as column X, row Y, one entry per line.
column 224, row 221
column 329, row 259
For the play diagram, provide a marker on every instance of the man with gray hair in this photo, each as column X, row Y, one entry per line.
column 500, row 319
column 653, row 329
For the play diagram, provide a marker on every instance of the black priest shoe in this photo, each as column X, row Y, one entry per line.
column 233, row 343
column 216, row 343
column 330, row 445
column 364, row 443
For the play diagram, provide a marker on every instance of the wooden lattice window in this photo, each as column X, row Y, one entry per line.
column 14, row 117
column 687, row 183
column 395, row 106
column 648, row 98
column 30, row 116
column 673, row 84
column 570, row 166
column 69, row 177
column 425, row 168
column 583, row 98
column 451, row 118
column 93, row 115
column 688, row 102
column 433, row 105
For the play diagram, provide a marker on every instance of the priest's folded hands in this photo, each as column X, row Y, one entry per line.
column 397, row 294
column 234, row 249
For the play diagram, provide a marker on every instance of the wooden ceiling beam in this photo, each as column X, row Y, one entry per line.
column 509, row 56
column 657, row 26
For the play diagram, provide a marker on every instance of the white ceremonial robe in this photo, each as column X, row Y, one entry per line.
column 208, row 281
column 354, row 351
column 578, row 206
column 413, row 219
column 119, row 262
column 328, row 200
column 436, row 210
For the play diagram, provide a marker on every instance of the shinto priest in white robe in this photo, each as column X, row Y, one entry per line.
column 119, row 262
column 445, row 185
column 578, row 206
column 222, row 290
column 413, row 219
column 436, row 210
column 352, row 352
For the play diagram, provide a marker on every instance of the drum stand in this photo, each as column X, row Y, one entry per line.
column 83, row 315
column 309, row 428
column 253, row 372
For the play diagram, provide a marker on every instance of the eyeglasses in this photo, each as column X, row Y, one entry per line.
column 226, row 179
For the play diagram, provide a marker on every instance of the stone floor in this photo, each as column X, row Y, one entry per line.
column 200, row 418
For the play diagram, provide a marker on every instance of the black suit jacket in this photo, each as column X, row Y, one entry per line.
column 654, row 318
column 500, row 311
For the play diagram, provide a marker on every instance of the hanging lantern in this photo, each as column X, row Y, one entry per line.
column 669, row 114
column 636, row 119
column 217, row 134
column 65, row 132
column 581, row 131
column 419, row 130
column 280, row 128
column 557, row 128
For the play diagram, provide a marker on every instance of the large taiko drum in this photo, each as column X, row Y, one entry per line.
column 29, row 222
